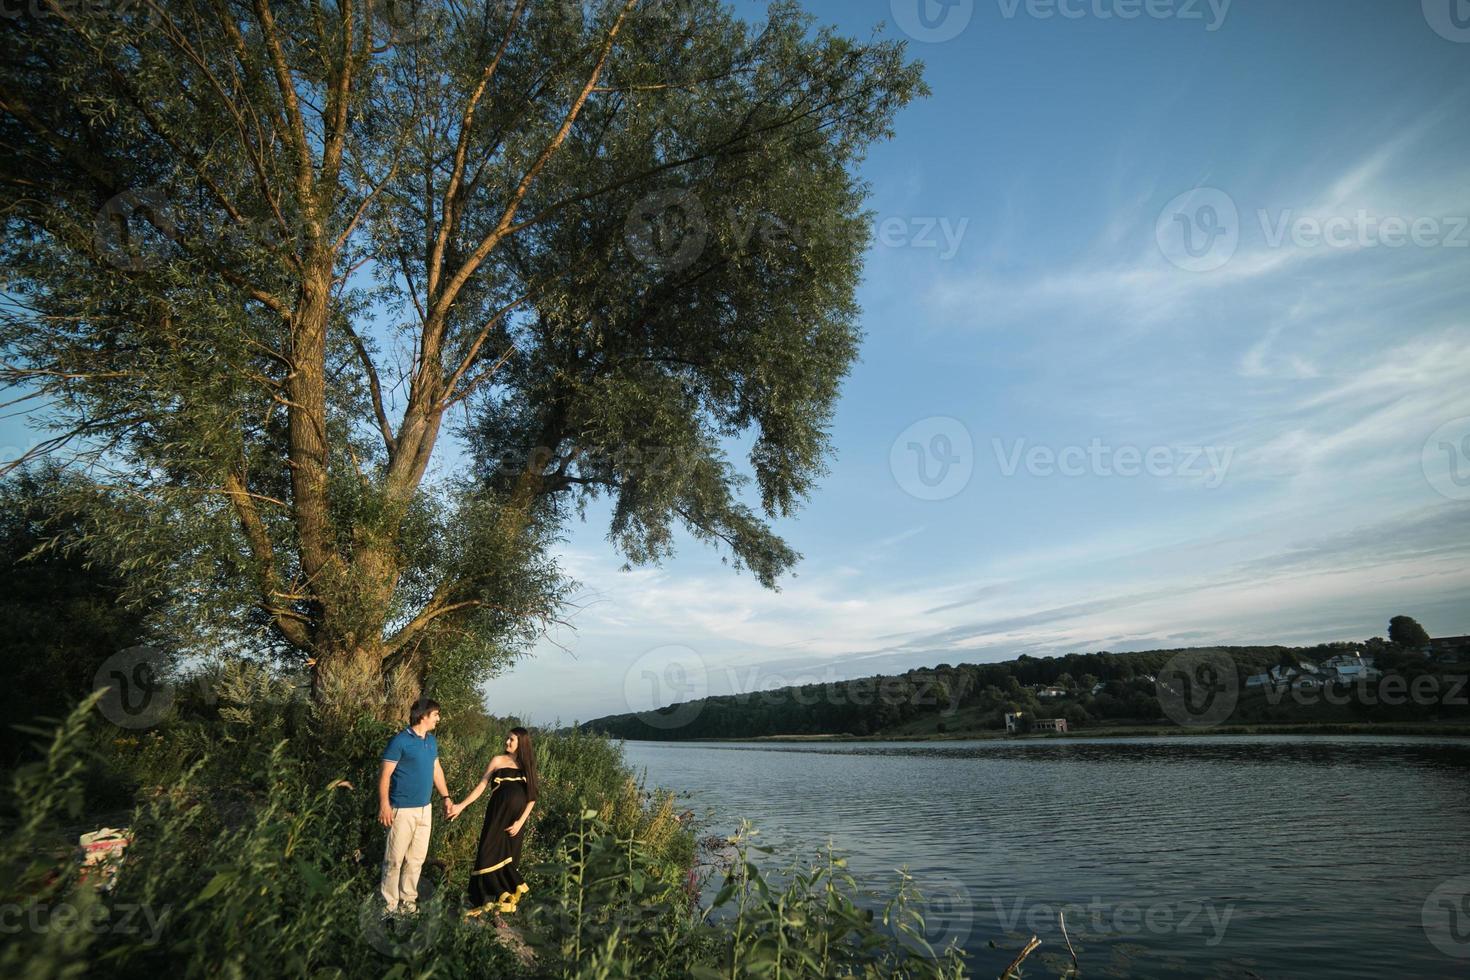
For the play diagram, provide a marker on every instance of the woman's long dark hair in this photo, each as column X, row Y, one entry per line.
column 525, row 757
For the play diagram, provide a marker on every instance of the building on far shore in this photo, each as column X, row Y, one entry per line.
column 1016, row 723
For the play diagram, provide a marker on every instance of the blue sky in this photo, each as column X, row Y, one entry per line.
column 1316, row 372
column 1229, row 239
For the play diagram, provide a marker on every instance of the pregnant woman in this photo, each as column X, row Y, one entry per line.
column 495, row 882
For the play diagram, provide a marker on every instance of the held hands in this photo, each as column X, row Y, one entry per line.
column 451, row 809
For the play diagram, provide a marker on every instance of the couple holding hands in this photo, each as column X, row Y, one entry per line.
column 409, row 774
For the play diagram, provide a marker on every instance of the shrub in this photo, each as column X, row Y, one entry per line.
column 260, row 861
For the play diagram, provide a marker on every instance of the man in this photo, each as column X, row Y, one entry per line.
column 410, row 772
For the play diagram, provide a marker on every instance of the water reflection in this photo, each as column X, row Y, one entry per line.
column 1181, row 856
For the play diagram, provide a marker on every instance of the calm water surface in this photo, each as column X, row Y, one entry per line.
column 1231, row 856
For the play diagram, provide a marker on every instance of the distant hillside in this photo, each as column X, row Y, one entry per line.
column 1086, row 689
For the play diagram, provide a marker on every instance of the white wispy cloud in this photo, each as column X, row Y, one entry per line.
column 1321, row 370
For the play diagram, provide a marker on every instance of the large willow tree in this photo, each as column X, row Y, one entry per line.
column 262, row 257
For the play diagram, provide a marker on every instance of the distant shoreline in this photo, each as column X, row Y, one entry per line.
column 1117, row 731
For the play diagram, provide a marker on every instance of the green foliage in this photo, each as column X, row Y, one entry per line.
column 1405, row 631
column 62, row 607
column 974, row 698
column 814, row 924
column 253, row 862
column 258, row 258
column 576, row 770
column 36, row 871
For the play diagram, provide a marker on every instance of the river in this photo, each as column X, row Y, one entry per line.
column 1224, row 856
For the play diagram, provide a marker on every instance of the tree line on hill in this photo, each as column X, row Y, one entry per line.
column 1086, row 689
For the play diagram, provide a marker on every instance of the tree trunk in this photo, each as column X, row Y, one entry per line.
column 351, row 682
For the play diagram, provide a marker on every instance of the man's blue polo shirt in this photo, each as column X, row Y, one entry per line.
column 412, row 781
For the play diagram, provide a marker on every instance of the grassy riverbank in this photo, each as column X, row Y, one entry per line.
column 255, row 853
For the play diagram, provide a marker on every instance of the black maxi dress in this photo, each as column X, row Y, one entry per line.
column 496, row 879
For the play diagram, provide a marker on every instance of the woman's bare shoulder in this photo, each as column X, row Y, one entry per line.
column 501, row 760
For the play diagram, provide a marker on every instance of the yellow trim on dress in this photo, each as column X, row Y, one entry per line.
column 485, row 871
column 505, row 903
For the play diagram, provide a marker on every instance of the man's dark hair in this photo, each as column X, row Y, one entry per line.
column 420, row 708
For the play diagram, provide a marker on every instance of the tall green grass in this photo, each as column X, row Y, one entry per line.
column 256, row 854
